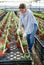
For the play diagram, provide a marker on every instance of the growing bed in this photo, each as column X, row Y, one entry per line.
column 10, row 54
column 2, row 14
column 39, row 15
column 14, row 56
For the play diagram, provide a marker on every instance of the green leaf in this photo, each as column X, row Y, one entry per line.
column 2, row 47
column 4, row 36
column 20, row 34
column 7, row 41
column 24, row 43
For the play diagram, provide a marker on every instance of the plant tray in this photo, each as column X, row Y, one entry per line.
column 14, row 57
column 39, row 47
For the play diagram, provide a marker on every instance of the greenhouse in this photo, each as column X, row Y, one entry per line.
column 21, row 32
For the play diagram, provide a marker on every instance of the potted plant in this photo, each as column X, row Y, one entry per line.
column 6, row 27
column 1, row 52
column 1, row 27
column 38, row 32
column 2, row 47
column 21, row 35
column 9, row 37
column 15, row 30
column 4, row 36
column 5, row 32
column 16, row 36
column 7, row 44
column 42, row 35
column 17, row 43
column 9, row 25
column 9, row 29
column 0, row 32
column 5, row 22
column 2, row 40
column 24, row 44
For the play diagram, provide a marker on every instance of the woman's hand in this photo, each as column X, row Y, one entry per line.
column 24, row 36
column 18, row 30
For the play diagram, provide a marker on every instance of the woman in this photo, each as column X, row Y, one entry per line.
column 30, row 25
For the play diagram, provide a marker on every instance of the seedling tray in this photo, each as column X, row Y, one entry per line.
column 14, row 57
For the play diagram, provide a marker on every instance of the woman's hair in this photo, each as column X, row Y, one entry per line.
column 22, row 6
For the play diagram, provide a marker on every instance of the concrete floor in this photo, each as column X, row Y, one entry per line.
column 35, row 57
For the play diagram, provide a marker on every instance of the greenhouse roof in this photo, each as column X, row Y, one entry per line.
column 15, row 3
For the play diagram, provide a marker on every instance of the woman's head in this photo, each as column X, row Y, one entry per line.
column 22, row 8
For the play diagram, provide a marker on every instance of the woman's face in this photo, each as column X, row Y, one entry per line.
column 22, row 11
